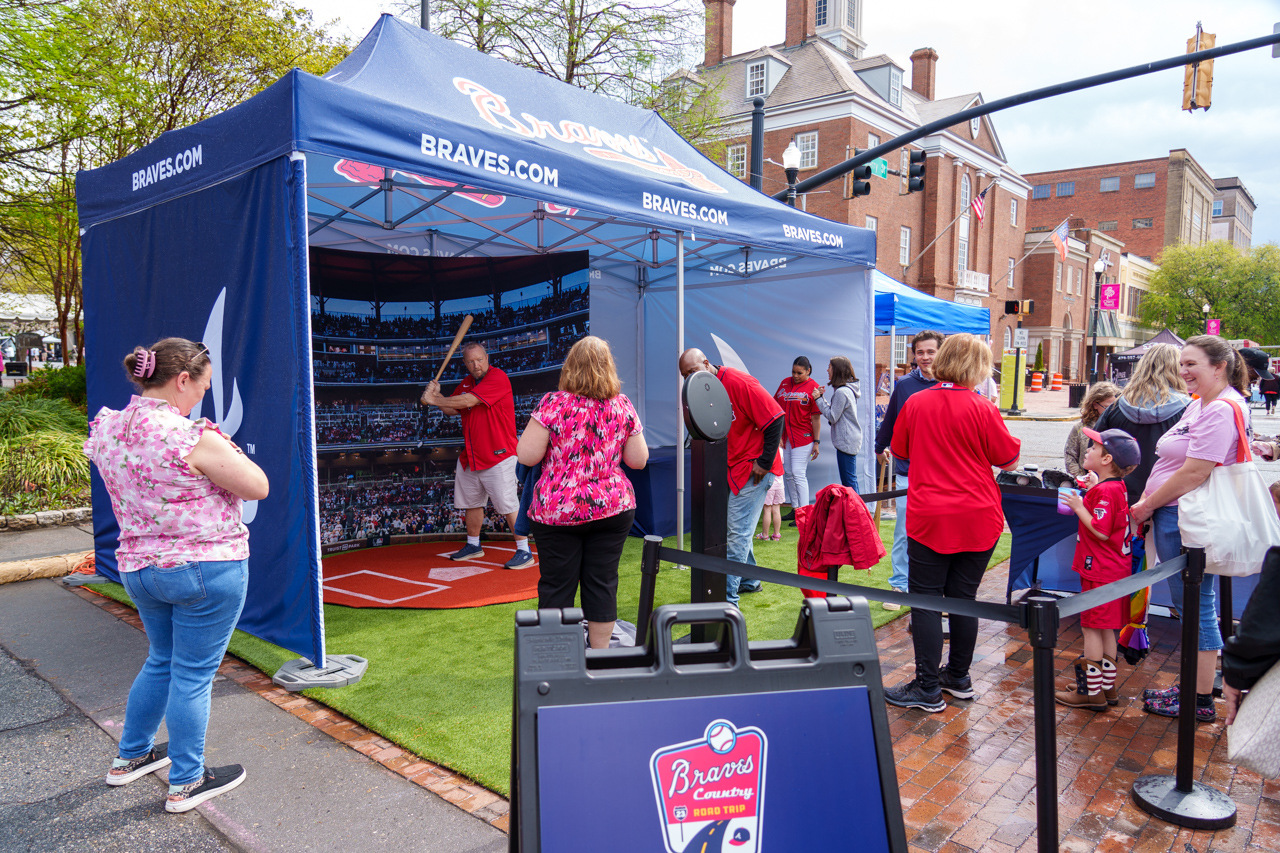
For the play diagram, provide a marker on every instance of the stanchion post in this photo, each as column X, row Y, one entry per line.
column 1226, row 615
column 1179, row 799
column 1042, row 630
column 648, row 582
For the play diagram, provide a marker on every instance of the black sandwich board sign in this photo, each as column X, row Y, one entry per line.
column 703, row 747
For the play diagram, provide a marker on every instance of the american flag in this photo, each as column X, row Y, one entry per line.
column 979, row 204
column 1060, row 239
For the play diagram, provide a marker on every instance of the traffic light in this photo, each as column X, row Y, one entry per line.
column 1028, row 306
column 1012, row 307
column 915, row 172
column 1197, row 80
column 861, row 181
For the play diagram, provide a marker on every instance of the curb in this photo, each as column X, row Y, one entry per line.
column 48, row 518
column 1054, row 418
column 41, row 567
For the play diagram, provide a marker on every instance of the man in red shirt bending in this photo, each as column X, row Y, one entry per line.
column 486, row 467
column 754, row 461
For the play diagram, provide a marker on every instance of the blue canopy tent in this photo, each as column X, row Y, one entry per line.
column 903, row 310
column 416, row 146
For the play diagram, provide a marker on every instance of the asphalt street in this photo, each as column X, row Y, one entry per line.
column 1043, row 441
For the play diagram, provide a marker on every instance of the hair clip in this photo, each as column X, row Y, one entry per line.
column 144, row 363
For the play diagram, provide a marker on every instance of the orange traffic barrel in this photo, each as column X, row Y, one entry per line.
column 1057, row 382
column 1037, row 382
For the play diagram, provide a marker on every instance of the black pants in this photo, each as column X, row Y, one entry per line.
column 585, row 554
column 955, row 576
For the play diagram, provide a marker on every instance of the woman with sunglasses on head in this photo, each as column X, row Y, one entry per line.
column 176, row 489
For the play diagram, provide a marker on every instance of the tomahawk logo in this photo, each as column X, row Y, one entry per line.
column 228, row 420
column 710, row 791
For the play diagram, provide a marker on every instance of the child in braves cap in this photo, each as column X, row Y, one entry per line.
column 1102, row 556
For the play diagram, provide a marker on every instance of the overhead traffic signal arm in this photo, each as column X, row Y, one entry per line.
column 840, row 169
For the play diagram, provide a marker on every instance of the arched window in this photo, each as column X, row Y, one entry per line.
column 1066, row 321
column 1008, row 337
column 964, row 191
column 962, row 227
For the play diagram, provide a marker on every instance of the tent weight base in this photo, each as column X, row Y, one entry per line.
column 81, row 580
column 1202, row 808
column 302, row 674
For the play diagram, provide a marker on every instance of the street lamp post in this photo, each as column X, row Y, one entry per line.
column 791, row 165
column 1206, row 309
column 1098, row 269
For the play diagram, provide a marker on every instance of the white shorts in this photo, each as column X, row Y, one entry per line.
column 498, row 484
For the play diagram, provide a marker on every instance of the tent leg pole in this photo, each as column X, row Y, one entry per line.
column 680, row 484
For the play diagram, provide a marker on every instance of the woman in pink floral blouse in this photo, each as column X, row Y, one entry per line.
column 583, row 504
column 176, row 488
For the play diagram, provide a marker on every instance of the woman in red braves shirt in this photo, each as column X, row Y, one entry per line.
column 952, row 437
column 800, row 430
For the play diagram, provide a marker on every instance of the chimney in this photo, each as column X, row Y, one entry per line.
column 924, row 71
column 800, row 21
column 719, row 42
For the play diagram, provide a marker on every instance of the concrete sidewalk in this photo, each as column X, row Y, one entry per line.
column 65, row 671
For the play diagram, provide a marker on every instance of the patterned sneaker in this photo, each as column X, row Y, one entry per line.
column 521, row 560
column 1168, row 693
column 911, row 695
column 1168, row 707
column 777, row 537
column 217, row 780
column 125, row 770
column 467, row 552
column 764, row 536
column 961, row 688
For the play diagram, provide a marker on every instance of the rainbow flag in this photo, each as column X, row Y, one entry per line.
column 1133, row 641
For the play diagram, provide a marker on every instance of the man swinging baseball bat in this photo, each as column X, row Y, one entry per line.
column 486, row 469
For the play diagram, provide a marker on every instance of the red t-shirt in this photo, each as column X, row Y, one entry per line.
column 753, row 410
column 489, row 429
column 796, row 399
column 1105, row 560
column 953, row 437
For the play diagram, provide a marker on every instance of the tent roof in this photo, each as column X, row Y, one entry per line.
column 1165, row 336
column 424, row 106
column 908, row 311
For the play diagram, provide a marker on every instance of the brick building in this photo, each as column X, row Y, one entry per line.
column 1145, row 204
column 822, row 92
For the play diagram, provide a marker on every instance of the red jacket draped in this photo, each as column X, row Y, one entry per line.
column 837, row 530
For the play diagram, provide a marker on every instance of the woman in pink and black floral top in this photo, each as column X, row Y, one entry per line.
column 583, row 505
column 176, row 488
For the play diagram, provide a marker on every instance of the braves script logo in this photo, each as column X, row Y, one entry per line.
column 364, row 173
column 710, row 791
column 228, row 420
column 599, row 143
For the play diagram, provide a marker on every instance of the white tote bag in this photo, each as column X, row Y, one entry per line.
column 1231, row 516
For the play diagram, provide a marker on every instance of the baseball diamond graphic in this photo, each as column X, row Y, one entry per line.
column 420, row 575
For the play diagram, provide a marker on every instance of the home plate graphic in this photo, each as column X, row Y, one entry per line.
column 422, row 575
column 710, row 790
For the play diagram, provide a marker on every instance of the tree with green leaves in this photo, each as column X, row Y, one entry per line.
column 1240, row 287
column 85, row 83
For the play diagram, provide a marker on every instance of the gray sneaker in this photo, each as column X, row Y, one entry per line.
column 961, row 688
column 911, row 695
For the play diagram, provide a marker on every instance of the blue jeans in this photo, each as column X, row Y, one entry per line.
column 189, row 612
column 898, row 580
column 527, row 476
column 1164, row 524
column 744, row 511
column 847, row 465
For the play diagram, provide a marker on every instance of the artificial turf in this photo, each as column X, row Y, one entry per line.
column 439, row 681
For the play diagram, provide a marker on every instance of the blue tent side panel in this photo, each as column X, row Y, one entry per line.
column 209, row 266
column 907, row 311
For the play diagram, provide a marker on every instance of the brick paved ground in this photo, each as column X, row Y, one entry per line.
column 967, row 775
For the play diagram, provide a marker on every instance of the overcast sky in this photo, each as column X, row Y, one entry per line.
column 1014, row 46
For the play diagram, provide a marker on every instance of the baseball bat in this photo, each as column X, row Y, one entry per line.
column 457, row 339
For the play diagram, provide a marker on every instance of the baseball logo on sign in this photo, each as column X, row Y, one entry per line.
column 721, row 738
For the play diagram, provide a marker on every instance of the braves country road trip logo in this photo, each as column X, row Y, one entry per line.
column 710, row 791
column 613, row 147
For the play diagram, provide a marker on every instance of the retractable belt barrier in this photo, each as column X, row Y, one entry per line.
column 703, row 747
column 1176, row 799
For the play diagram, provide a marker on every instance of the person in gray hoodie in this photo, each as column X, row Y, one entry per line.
column 842, row 414
column 1150, row 405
